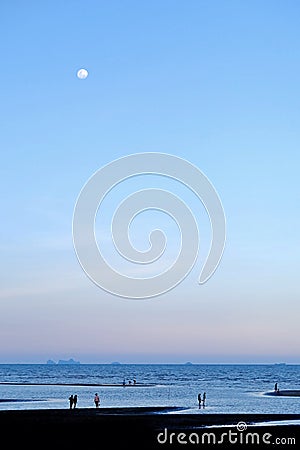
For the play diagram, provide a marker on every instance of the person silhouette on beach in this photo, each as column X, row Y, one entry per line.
column 276, row 387
column 75, row 398
column 199, row 400
column 204, row 399
column 71, row 401
column 97, row 400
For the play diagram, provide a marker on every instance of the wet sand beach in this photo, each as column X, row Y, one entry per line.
column 141, row 428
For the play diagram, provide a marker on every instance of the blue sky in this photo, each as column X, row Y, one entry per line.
column 213, row 82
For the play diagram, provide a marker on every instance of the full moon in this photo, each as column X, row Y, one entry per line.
column 82, row 74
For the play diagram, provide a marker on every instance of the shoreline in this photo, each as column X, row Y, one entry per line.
column 133, row 427
column 154, row 414
column 12, row 383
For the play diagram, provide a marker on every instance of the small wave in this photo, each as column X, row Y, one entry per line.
column 17, row 383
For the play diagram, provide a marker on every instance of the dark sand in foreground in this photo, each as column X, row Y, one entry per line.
column 136, row 428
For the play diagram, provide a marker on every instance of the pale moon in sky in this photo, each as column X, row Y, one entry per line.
column 82, row 74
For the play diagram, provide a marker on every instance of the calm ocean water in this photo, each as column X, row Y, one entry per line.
column 229, row 388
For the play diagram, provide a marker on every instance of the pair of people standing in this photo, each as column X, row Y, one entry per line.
column 201, row 400
column 73, row 401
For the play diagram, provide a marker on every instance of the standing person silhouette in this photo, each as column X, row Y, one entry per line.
column 97, row 400
column 71, row 401
column 75, row 398
column 199, row 400
column 204, row 399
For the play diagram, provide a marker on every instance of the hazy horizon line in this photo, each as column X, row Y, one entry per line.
column 186, row 363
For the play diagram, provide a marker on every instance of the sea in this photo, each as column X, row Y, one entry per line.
column 229, row 388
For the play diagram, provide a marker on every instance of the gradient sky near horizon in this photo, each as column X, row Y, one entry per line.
column 214, row 82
